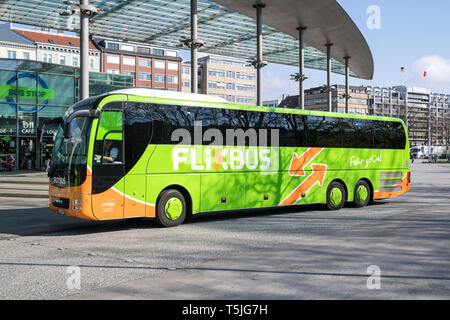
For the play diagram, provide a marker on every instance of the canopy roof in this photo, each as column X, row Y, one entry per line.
column 227, row 27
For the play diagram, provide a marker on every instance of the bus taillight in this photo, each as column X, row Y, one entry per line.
column 408, row 177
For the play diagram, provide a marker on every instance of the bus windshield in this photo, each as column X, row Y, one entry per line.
column 72, row 150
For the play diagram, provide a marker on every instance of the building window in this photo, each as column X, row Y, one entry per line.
column 186, row 70
column 126, row 47
column 158, row 52
column 186, row 84
column 230, row 98
column 216, row 85
column 216, row 73
column 160, row 64
column 129, row 73
column 246, row 88
column 230, row 86
column 147, row 63
column 230, row 74
column 112, row 59
column 74, row 61
column 143, row 50
column 11, row 54
column 113, row 46
column 160, row 78
column 172, row 66
column 170, row 53
column 62, row 60
column 144, row 76
column 129, row 61
column 112, row 71
column 26, row 55
column 172, row 79
column 245, row 100
column 91, row 64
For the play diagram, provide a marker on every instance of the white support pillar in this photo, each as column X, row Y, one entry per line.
column 347, row 84
column 194, row 48
column 301, row 67
column 259, row 53
column 329, row 45
column 84, row 51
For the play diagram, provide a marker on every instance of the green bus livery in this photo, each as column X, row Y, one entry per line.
column 167, row 155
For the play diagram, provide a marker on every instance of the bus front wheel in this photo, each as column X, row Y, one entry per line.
column 171, row 208
column 336, row 196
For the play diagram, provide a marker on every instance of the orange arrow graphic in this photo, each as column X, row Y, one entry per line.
column 299, row 163
column 317, row 176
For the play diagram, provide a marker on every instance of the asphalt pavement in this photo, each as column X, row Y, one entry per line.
column 395, row 249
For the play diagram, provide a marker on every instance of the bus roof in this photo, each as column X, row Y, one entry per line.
column 152, row 93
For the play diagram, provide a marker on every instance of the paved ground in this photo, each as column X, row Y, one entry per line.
column 304, row 253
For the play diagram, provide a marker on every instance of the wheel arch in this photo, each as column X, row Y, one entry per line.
column 370, row 186
column 184, row 192
column 343, row 184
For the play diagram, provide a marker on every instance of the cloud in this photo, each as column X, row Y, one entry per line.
column 437, row 68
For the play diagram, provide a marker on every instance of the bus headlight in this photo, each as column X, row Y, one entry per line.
column 77, row 202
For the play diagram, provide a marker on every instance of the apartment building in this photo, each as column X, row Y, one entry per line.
column 14, row 45
column 317, row 99
column 425, row 113
column 58, row 48
column 224, row 77
column 152, row 67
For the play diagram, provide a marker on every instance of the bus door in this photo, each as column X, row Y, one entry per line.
column 108, row 167
column 138, row 130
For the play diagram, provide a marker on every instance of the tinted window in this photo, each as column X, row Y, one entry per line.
column 362, row 133
column 294, row 130
column 138, row 131
column 323, row 132
column 389, row 135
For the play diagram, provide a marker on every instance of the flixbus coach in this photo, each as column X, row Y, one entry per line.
column 166, row 155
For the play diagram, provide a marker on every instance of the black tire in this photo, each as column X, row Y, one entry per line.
column 331, row 204
column 164, row 198
column 359, row 202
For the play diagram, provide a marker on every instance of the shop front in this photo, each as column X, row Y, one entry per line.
column 32, row 92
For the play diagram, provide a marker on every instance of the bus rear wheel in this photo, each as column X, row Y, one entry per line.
column 336, row 196
column 171, row 208
column 361, row 196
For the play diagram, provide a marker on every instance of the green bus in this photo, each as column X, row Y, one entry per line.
column 167, row 155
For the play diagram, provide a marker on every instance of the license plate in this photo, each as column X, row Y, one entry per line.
column 61, row 211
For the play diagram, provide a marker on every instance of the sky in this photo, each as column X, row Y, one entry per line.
column 412, row 34
column 409, row 33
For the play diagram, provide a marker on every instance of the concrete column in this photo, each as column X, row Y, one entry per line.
column 301, row 67
column 347, row 84
column 329, row 45
column 259, row 54
column 194, row 48
column 84, row 51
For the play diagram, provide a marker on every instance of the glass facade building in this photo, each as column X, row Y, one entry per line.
column 32, row 92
